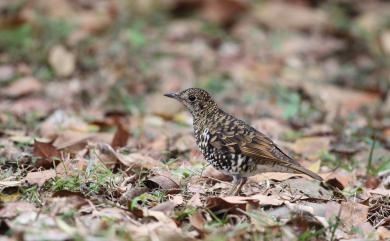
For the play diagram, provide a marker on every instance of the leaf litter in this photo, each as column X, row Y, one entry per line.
column 91, row 150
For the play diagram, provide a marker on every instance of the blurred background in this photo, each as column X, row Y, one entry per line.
column 290, row 68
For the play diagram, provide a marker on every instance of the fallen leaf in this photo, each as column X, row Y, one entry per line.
column 295, row 16
column 46, row 154
column 72, row 140
column 212, row 173
column 384, row 233
column 353, row 214
column 62, row 61
column 307, row 188
column 133, row 160
column 28, row 104
column 165, row 229
column 163, row 182
column 230, row 204
column 198, row 221
column 177, row 199
column 112, row 213
column 195, row 201
column 12, row 209
column 165, row 207
column 120, row 138
column 223, row 12
column 23, row 86
column 40, row 177
column 265, row 200
column 339, row 179
column 65, row 204
column 371, row 182
column 5, row 184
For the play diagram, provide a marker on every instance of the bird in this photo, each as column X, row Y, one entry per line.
column 231, row 145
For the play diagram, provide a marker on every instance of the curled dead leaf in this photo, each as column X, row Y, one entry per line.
column 46, row 153
column 120, row 137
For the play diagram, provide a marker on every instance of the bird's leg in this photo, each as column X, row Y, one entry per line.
column 238, row 182
column 241, row 183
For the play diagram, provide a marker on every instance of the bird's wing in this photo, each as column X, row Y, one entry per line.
column 248, row 141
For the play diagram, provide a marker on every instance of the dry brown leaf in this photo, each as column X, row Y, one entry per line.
column 46, row 154
column 213, row 173
column 284, row 15
column 27, row 105
column 371, row 182
column 384, row 233
column 265, row 200
column 339, row 180
column 134, row 160
column 40, row 177
column 165, row 229
column 65, row 204
column 112, row 213
column 23, row 86
column 120, row 137
column 163, row 182
column 12, row 209
column 62, row 61
column 307, row 188
column 72, row 140
column 165, row 207
column 353, row 214
column 197, row 221
column 177, row 199
column 195, row 201
column 223, row 12
column 132, row 193
column 231, row 204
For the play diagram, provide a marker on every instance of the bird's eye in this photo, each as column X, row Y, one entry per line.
column 191, row 98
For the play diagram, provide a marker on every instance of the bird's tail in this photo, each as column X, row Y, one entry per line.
column 300, row 169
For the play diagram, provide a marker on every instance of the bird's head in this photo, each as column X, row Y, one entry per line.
column 199, row 102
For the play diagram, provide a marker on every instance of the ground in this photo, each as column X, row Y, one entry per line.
column 90, row 149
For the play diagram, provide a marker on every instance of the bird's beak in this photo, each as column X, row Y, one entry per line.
column 172, row 95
